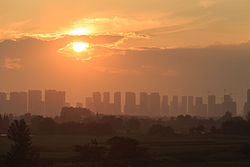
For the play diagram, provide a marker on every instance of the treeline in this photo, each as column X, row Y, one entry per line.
column 81, row 121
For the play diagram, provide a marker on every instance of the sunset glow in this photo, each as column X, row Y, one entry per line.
column 79, row 31
column 80, row 46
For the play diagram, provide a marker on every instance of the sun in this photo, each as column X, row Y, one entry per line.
column 80, row 46
column 79, row 31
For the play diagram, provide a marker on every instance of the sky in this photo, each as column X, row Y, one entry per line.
column 178, row 47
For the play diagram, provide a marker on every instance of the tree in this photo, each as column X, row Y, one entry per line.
column 21, row 153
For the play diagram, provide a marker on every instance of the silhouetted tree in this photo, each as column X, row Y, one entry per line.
column 21, row 153
column 124, row 151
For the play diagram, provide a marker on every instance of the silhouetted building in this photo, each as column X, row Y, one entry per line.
column 200, row 108
column 247, row 104
column 229, row 105
column 144, row 103
column 97, row 103
column 212, row 112
column 190, row 105
column 117, row 103
column 174, row 106
column 183, row 107
column 3, row 103
column 35, row 102
column 130, row 103
column 18, row 103
column 107, row 107
column 165, row 106
column 54, row 102
column 154, row 104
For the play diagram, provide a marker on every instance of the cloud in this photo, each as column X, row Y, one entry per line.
column 207, row 3
column 12, row 63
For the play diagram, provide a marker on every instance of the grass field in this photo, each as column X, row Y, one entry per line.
column 205, row 151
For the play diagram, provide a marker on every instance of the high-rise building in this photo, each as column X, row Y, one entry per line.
column 154, row 104
column 165, row 106
column 183, row 108
column 144, row 103
column 130, row 103
column 174, row 106
column 54, row 102
column 18, row 103
column 190, row 105
column 107, row 107
column 247, row 104
column 229, row 105
column 106, row 98
column 200, row 108
column 117, row 103
column 97, row 103
column 35, row 102
column 3, row 103
column 212, row 106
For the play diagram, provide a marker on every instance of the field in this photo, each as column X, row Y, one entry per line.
column 189, row 151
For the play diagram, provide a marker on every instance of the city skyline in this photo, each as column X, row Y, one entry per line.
column 128, row 103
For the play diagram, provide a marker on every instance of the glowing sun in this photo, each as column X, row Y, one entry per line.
column 80, row 46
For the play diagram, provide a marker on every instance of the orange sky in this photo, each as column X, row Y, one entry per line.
column 175, row 47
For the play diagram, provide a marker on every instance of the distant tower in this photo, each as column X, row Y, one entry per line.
column 35, row 102
column 144, row 103
column 54, row 102
column 190, row 105
column 18, row 103
column 117, row 102
column 184, row 105
column 165, row 106
column 3, row 103
column 130, row 103
column 97, row 104
column 107, row 109
column 212, row 106
column 174, row 106
column 155, row 104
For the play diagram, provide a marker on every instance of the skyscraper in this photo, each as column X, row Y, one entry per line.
column 229, row 105
column 154, row 104
column 130, row 103
column 107, row 109
column 183, row 108
column 54, row 102
column 165, row 106
column 117, row 103
column 97, row 103
column 200, row 108
column 18, row 103
column 247, row 104
column 106, row 97
column 174, row 106
column 35, row 102
column 3, row 103
column 190, row 105
column 144, row 103
column 212, row 106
